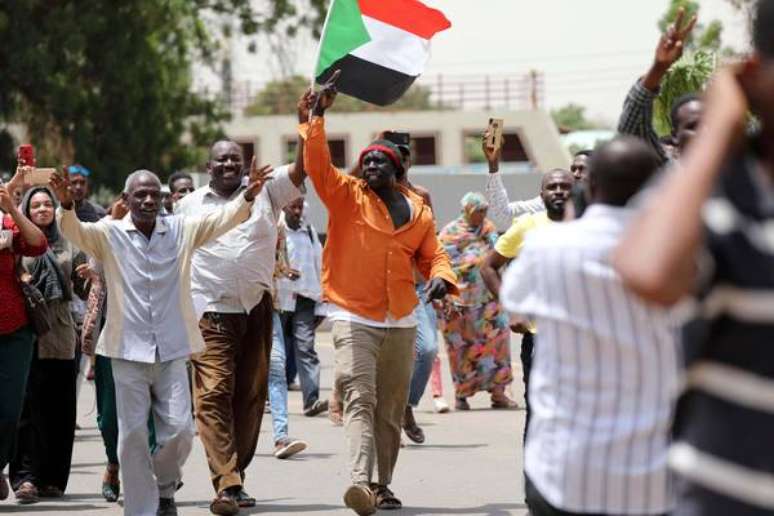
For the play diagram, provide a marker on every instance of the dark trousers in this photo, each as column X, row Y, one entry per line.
column 47, row 427
column 231, row 381
column 539, row 506
column 527, row 353
column 107, row 415
column 298, row 330
column 16, row 351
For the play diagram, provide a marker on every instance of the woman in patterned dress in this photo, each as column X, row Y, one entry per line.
column 474, row 325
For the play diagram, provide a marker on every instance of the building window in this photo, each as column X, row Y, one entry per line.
column 513, row 150
column 248, row 151
column 337, row 146
column 423, row 150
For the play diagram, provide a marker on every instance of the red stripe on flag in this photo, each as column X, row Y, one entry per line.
column 409, row 15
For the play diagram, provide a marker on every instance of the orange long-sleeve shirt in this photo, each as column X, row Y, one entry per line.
column 367, row 263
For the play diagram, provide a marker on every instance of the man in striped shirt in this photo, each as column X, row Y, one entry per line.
column 718, row 247
column 605, row 367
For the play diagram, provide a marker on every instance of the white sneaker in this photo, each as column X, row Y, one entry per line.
column 286, row 447
column 440, row 405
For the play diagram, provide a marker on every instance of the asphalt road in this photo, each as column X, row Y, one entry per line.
column 470, row 464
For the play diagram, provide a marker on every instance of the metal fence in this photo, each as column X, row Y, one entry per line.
column 464, row 92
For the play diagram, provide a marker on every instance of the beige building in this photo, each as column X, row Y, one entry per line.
column 445, row 149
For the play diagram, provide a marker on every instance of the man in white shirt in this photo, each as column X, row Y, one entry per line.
column 501, row 210
column 231, row 286
column 605, row 371
column 151, row 328
column 300, row 303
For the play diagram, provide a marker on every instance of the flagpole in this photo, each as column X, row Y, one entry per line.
column 319, row 45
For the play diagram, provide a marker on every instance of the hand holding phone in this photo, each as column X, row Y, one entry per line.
column 495, row 131
column 25, row 155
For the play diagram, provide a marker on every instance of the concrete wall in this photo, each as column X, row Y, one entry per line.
column 536, row 130
column 446, row 190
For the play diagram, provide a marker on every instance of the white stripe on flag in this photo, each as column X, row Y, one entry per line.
column 394, row 48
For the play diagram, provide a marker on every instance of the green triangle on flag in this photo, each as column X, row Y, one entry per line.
column 344, row 31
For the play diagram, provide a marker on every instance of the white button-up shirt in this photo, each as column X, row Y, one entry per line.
column 232, row 273
column 150, row 315
column 605, row 374
column 304, row 255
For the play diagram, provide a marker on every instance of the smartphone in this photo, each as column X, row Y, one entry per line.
column 495, row 133
column 398, row 138
column 39, row 176
column 25, row 155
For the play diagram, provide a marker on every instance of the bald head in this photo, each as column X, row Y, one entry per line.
column 555, row 191
column 226, row 167
column 619, row 169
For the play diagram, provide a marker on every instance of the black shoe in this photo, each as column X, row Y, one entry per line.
column 167, row 507
column 244, row 499
column 317, row 408
column 410, row 426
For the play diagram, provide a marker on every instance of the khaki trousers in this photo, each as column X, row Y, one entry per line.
column 230, row 381
column 373, row 372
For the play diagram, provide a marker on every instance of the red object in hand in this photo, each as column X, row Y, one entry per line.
column 26, row 155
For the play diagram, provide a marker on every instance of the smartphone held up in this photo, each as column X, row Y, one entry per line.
column 25, row 156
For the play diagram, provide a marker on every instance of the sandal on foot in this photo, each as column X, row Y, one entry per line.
column 225, row 504
column 27, row 493
column 244, row 499
column 461, row 404
column 50, row 492
column 504, row 403
column 360, row 499
column 386, row 499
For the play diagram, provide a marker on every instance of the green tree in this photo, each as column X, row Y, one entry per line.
column 109, row 84
column 572, row 117
column 692, row 72
column 279, row 98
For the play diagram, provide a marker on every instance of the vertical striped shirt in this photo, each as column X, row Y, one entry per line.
column 604, row 376
column 725, row 419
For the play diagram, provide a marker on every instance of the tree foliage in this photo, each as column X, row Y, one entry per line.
column 109, row 84
column 692, row 72
column 280, row 97
column 572, row 117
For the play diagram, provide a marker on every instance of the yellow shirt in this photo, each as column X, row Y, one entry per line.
column 509, row 244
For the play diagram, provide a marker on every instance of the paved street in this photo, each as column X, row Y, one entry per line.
column 470, row 465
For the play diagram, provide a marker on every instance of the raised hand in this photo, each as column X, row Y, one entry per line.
column 60, row 185
column 326, row 96
column 672, row 43
column 492, row 154
column 257, row 178
column 17, row 181
column 304, row 105
column 6, row 199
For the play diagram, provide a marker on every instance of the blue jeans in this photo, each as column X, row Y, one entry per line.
column 278, row 385
column 426, row 349
column 299, row 332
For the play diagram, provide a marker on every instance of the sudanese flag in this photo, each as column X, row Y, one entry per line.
column 380, row 46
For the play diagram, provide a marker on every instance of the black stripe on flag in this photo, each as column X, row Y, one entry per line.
column 367, row 81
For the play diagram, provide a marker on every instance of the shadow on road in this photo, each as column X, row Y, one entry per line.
column 58, row 508
column 492, row 509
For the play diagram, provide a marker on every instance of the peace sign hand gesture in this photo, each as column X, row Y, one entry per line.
column 672, row 43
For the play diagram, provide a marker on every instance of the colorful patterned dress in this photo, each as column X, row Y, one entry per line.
column 474, row 325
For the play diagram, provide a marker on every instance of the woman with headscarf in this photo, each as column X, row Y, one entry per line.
column 41, row 466
column 474, row 325
column 18, row 237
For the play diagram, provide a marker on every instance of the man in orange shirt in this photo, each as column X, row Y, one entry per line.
column 377, row 231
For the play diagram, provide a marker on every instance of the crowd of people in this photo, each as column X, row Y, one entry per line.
column 639, row 280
